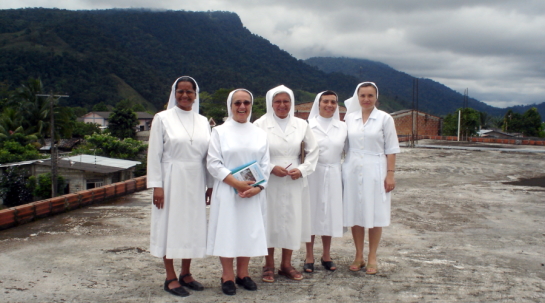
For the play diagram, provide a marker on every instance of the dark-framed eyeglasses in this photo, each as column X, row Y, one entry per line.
column 239, row 103
column 182, row 91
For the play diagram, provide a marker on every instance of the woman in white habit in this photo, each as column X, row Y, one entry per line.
column 325, row 184
column 288, row 202
column 237, row 220
column 368, row 172
column 177, row 173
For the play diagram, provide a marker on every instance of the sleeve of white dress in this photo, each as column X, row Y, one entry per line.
column 209, row 178
column 312, row 152
column 155, row 153
column 391, row 142
column 264, row 164
column 261, row 123
column 215, row 158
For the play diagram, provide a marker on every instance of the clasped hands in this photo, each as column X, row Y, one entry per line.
column 246, row 190
column 280, row 171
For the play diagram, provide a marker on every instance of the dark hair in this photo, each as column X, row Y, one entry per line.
column 186, row 79
column 329, row 93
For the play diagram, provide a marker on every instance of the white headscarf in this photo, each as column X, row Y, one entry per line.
column 354, row 103
column 275, row 91
column 315, row 110
column 230, row 99
column 172, row 99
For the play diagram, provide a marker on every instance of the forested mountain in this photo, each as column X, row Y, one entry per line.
column 109, row 55
column 433, row 97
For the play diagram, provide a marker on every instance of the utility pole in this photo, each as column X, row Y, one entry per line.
column 52, row 100
column 414, row 114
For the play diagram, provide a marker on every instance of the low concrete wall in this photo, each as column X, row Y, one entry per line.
column 29, row 212
column 517, row 141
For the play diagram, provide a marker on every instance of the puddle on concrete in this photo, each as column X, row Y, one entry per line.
column 537, row 181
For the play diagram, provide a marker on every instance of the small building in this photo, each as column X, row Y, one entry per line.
column 82, row 172
column 101, row 118
column 408, row 119
column 62, row 144
column 494, row 133
column 302, row 110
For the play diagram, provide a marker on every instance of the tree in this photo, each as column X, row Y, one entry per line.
column 12, row 151
column 42, row 188
column 122, row 123
column 214, row 106
column 129, row 104
column 532, row 125
column 82, row 129
column 100, row 107
column 34, row 111
column 109, row 146
column 13, row 187
column 512, row 122
column 468, row 126
column 259, row 108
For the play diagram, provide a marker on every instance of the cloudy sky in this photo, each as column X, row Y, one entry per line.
column 495, row 48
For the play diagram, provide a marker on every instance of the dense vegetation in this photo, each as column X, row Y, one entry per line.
column 110, row 55
column 529, row 123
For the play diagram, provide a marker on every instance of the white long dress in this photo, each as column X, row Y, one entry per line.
column 288, row 201
column 325, row 184
column 366, row 202
column 178, row 230
column 237, row 225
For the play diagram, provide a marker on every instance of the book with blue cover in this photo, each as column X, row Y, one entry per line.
column 249, row 172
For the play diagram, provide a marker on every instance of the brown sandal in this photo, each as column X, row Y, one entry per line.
column 290, row 273
column 356, row 266
column 268, row 274
column 371, row 269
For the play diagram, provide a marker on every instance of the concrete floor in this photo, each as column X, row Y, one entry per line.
column 458, row 233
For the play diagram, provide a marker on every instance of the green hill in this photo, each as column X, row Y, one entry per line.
column 109, row 55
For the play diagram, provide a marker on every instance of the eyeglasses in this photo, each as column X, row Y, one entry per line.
column 182, row 91
column 246, row 103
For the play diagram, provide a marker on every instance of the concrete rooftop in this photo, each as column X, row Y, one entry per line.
column 458, row 234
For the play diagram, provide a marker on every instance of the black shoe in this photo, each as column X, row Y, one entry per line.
column 228, row 287
column 191, row 285
column 328, row 265
column 308, row 267
column 178, row 291
column 247, row 283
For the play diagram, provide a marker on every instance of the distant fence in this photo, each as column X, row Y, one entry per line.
column 516, row 141
column 25, row 213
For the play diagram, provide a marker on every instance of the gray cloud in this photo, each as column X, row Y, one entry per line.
column 493, row 47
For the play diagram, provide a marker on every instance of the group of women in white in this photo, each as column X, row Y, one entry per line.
column 306, row 193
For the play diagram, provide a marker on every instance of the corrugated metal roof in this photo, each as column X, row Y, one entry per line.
column 90, row 163
column 93, row 163
column 21, row 163
column 106, row 115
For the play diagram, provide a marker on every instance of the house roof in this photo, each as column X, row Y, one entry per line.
column 404, row 111
column 106, row 115
column 90, row 163
column 62, row 144
column 20, row 163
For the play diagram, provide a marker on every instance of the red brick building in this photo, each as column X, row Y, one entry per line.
column 302, row 110
column 425, row 124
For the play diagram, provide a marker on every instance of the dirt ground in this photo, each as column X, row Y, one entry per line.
column 458, row 233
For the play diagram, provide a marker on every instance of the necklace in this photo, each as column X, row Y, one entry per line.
column 193, row 132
